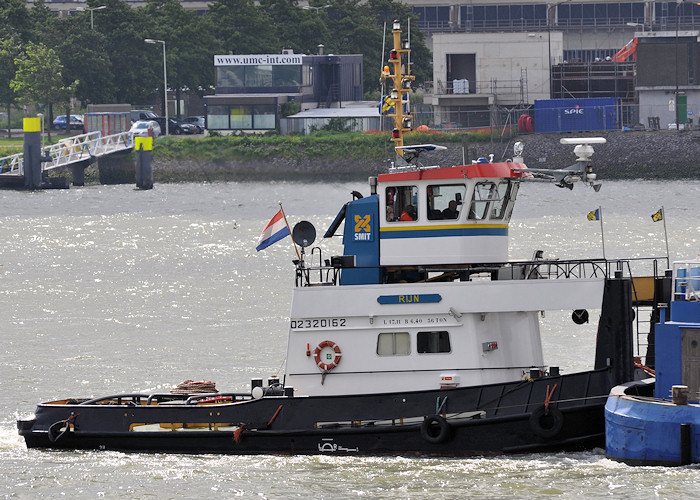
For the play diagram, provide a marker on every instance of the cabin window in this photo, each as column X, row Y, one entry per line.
column 500, row 206
column 394, row 344
column 431, row 342
column 401, row 203
column 490, row 200
column 445, row 201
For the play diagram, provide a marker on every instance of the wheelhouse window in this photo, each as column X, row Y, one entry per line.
column 433, row 342
column 394, row 344
column 490, row 200
column 445, row 201
column 401, row 203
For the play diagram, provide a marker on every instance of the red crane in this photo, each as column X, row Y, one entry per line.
column 625, row 52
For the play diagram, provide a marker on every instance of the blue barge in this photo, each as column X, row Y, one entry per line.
column 657, row 421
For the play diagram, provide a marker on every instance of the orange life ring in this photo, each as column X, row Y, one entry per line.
column 317, row 355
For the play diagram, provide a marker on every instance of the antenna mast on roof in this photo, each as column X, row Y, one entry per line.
column 401, row 86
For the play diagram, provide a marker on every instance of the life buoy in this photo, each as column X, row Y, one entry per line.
column 546, row 422
column 317, row 355
column 435, row 429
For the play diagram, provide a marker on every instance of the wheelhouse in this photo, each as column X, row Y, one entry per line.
column 429, row 217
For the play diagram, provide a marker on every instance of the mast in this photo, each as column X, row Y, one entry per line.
column 401, row 85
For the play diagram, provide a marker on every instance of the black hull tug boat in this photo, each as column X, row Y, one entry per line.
column 422, row 338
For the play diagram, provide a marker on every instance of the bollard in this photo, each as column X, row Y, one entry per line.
column 679, row 394
column 144, row 153
column 32, row 153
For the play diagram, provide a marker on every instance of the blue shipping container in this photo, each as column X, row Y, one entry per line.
column 577, row 115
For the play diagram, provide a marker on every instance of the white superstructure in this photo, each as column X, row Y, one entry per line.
column 424, row 296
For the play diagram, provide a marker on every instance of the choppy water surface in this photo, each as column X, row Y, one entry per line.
column 108, row 289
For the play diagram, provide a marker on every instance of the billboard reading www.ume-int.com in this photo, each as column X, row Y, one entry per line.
column 257, row 59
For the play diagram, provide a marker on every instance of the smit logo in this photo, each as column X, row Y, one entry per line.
column 363, row 230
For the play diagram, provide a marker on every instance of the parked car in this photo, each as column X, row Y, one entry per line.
column 142, row 114
column 145, row 128
column 176, row 126
column 197, row 121
column 76, row 122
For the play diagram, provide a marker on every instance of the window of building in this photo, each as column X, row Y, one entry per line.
column 286, row 76
column 394, row 344
column 260, row 76
column 307, row 75
column 230, row 76
column 263, row 116
column 401, row 203
column 241, row 117
column 217, row 117
column 433, row 342
column 504, row 16
column 432, row 16
column 445, row 201
column 600, row 14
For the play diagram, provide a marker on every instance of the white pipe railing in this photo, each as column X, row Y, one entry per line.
column 71, row 150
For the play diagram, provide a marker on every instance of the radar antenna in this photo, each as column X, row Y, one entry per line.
column 581, row 171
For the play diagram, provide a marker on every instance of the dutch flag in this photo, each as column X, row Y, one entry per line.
column 275, row 230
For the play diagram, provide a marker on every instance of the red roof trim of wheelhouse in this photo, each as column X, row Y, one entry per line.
column 504, row 170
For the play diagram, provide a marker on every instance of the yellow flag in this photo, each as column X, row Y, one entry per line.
column 594, row 214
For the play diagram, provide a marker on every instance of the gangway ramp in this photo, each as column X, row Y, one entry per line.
column 69, row 151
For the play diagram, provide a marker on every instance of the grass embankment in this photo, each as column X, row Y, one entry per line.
column 240, row 157
column 369, row 146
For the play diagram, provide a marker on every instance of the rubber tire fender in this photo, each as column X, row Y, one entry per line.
column 546, row 425
column 427, row 429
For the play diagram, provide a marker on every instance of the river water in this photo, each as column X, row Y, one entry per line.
column 106, row 289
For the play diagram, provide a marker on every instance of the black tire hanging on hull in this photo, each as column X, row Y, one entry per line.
column 435, row 429
column 546, row 423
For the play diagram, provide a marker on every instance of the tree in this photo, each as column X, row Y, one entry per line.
column 363, row 35
column 85, row 58
column 189, row 58
column 42, row 20
column 15, row 19
column 301, row 30
column 9, row 51
column 39, row 77
column 242, row 27
column 131, row 61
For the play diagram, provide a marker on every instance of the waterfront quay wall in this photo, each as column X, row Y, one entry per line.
column 626, row 155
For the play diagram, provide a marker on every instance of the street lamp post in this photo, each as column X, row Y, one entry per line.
column 643, row 25
column 549, row 47
column 678, row 17
column 165, row 82
column 92, row 10
column 549, row 41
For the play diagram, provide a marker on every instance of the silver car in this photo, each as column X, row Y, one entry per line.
column 197, row 121
column 145, row 128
